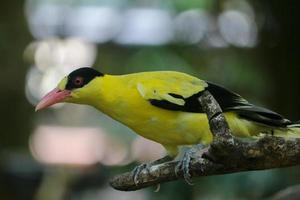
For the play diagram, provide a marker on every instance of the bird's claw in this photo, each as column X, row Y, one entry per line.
column 137, row 170
column 184, row 163
column 184, row 166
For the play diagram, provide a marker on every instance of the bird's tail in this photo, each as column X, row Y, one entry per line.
column 292, row 130
column 294, row 125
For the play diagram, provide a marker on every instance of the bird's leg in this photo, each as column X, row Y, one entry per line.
column 138, row 169
column 184, row 162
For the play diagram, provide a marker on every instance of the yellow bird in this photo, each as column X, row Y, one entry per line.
column 163, row 106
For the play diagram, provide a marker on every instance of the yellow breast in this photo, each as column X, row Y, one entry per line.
column 119, row 98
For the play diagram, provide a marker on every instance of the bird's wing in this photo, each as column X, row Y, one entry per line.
column 174, row 95
column 230, row 101
column 169, row 87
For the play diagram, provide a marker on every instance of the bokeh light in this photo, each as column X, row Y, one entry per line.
column 63, row 145
column 249, row 47
column 51, row 60
column 95, row 24
column 146, row 26
column 237, row 28
column 191, row 26
column 144, row 150
column 75, row 146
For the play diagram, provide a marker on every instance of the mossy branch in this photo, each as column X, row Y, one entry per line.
column 226, row 154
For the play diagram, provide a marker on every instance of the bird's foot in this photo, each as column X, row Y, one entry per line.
column 137, row 170
column 146, row 166
column 184, row 162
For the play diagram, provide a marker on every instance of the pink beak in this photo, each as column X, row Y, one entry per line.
column 53, row 97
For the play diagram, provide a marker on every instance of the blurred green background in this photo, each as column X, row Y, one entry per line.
column 69, row 152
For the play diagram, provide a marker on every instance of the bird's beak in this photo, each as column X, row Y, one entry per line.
column 53, row 97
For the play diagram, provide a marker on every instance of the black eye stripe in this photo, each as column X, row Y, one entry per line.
column 80, row 77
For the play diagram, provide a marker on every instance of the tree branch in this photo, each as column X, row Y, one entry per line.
column 226, row 154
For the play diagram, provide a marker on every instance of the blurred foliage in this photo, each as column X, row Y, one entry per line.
column 267, row 74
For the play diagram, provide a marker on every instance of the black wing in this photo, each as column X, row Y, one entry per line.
column 229, row 101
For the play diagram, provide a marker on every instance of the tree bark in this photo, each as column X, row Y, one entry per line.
column 226, row 154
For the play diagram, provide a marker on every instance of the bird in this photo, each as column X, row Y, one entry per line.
column 163, row 106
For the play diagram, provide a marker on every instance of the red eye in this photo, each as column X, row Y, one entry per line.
column 78, row 81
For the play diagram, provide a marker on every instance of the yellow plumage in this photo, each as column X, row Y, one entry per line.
column 126, row 98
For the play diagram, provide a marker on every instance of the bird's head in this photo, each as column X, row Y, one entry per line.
column 74, row 88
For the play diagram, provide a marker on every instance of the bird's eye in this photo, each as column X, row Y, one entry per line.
column 78, row 81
